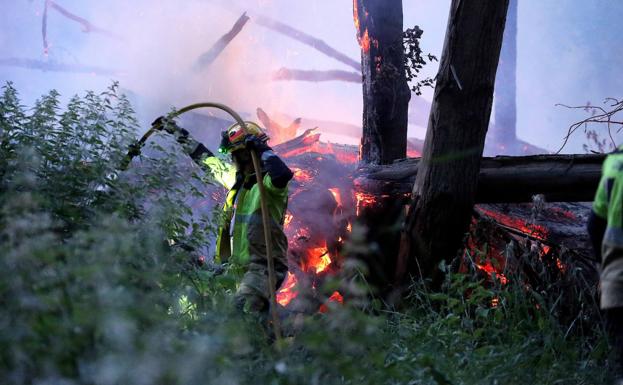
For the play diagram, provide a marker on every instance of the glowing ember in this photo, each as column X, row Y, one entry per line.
column 491, row 270
column 561, row 266
column 335, row 297
column 336, row 194
column 287, row 220
column 535, row 231
column 413, row 153
column 318, row 260
column 364, row 42
column 302, row 176
column 288, row 291
column 363, row 200
column 495, row 302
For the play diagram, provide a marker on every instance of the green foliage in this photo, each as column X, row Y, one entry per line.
column 93, row 293
column 415, row 60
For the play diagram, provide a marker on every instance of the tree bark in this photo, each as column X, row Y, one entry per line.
column 504, row 133
column 503, row 179
column 445, row 188
column 385, row 91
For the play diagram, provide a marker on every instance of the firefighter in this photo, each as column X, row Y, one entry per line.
column 241, row 237
column 605, row 227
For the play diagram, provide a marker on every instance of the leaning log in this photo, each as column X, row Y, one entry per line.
column 502, row 179
column 206, row 59
column 306, row 39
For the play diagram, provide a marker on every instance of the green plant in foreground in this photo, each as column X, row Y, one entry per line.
column 93, row 292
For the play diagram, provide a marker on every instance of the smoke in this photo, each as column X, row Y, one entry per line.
column 566, row 54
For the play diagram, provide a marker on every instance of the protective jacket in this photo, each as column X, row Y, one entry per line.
column 241, row 236
column 606, row 230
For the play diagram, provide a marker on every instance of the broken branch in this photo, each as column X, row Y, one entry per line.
column 208, row 58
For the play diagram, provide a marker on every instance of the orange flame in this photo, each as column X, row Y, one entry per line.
column 318, row 260
column 362, row 38
column 301, row 175
column 336, row 194
column 287, row 220
column 288, row 291
column 363, row 200
column 335, row 297
column 490, row 270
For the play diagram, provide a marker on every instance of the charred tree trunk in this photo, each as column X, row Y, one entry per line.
column 385, row 91
column 504, row 132
column 445, row 187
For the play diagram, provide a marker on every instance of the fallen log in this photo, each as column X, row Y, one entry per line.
column 208, row 58
column 502, row 179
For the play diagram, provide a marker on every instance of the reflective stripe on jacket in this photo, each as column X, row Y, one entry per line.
column 243, row 202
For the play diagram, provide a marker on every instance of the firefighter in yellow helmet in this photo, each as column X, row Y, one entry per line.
column 241, row 236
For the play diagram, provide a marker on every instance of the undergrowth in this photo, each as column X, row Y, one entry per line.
column 95, row 290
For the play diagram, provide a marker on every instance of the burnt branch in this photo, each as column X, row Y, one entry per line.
column 87, row 26
column 208, row 58
column 306, row 39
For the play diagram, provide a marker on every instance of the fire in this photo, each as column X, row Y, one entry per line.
column 490, row 270
column 288, row 291
column 336, row 194
column 364, row 42
column 287, row 220
column 318, row 260
column 495, row 302
column 362, row 38
column 536, row 231
column 335, row 297
column 363, row 200
column 561, row 266
column 302, row 176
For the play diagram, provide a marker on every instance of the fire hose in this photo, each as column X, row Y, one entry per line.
column 272, row 282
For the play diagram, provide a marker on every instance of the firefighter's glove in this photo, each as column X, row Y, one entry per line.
column 252, row 142
column 134, row 149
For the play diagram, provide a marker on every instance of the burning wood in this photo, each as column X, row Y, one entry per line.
column 208, row 58
column 276, row 132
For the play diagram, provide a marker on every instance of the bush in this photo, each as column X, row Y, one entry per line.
column 93, row 291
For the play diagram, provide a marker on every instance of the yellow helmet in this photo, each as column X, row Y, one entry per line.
column 233, row 138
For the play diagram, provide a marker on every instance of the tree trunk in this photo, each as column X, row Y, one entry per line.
column 445, row 187
column 503, row 179
column 504, row 133
column 385, row 91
